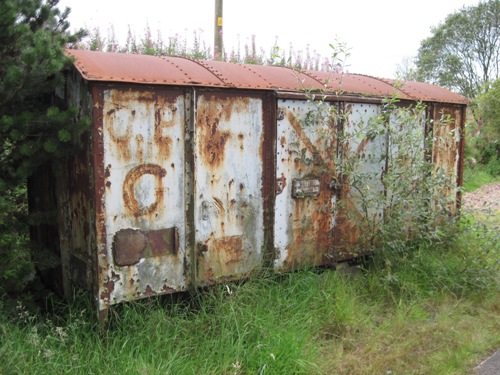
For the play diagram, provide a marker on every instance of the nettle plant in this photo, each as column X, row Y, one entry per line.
column 388, row 190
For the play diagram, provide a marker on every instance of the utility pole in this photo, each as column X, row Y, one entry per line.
column 218, row 45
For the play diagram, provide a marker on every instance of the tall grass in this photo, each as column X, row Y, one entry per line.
column 430, row 308
column 476, row 177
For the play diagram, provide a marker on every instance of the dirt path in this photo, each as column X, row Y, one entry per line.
column 486, row 197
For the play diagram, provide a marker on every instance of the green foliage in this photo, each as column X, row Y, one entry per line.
column 33, row 130
column 16, row 269
column 476, row 177
column 463, row 52
column 31, row 60
column 463, row 260
column 483, row 136
column 488, row 104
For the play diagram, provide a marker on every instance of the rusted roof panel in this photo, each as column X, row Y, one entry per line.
column 280, row 78
column 431, row 93
column 358, row 84
column 121, row 67
column 168, row 70
column 235, row 75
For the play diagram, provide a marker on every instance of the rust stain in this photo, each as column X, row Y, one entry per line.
column 139, row 140
column 107, row 172
column 362, row 145
column 229, row 251
column 106, row 290
column 213, row 149
column 131, row 179
column 213, row 139
column 148, row 292
column 283, row 141
column 280, row 184
column 211, row 113
column 219, row 206
column 220, row 257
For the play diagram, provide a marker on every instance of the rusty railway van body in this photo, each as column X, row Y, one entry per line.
column 190, row 173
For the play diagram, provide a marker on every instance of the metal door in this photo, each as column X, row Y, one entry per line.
column 228, row 199
column 143, row 200
column 306, row 193
column 362, row 156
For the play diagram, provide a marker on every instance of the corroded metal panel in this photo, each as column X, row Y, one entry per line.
column 305, row 204
column 143, row 170
column 76, row 199
column 228, row 198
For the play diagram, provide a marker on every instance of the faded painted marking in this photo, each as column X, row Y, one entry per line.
column 304, row 138
column 129, row 188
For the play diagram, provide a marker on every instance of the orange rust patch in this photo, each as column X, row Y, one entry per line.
column 229, row 250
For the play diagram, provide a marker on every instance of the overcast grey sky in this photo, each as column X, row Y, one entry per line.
column 379, row 34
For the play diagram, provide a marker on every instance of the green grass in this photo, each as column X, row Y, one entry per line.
column 477, row 177
column 430, row 309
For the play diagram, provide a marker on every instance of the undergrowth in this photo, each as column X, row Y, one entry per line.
column 415, row 309
column 476, row 177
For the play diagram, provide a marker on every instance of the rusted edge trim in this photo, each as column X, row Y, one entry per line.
column 189, row 187
column 269, row 170
column 101, row 259
column 329, row 97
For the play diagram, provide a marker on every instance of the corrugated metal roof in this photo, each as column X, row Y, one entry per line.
column 168, row 70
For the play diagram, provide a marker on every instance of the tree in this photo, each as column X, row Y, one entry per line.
column 489, row 107
column 406, row 70
column 487, row 140
column 32, row 129
column 463, row 52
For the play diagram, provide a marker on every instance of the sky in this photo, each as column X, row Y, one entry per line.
column 378, row 34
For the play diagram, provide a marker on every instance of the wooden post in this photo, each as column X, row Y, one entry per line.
column 218, row 45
